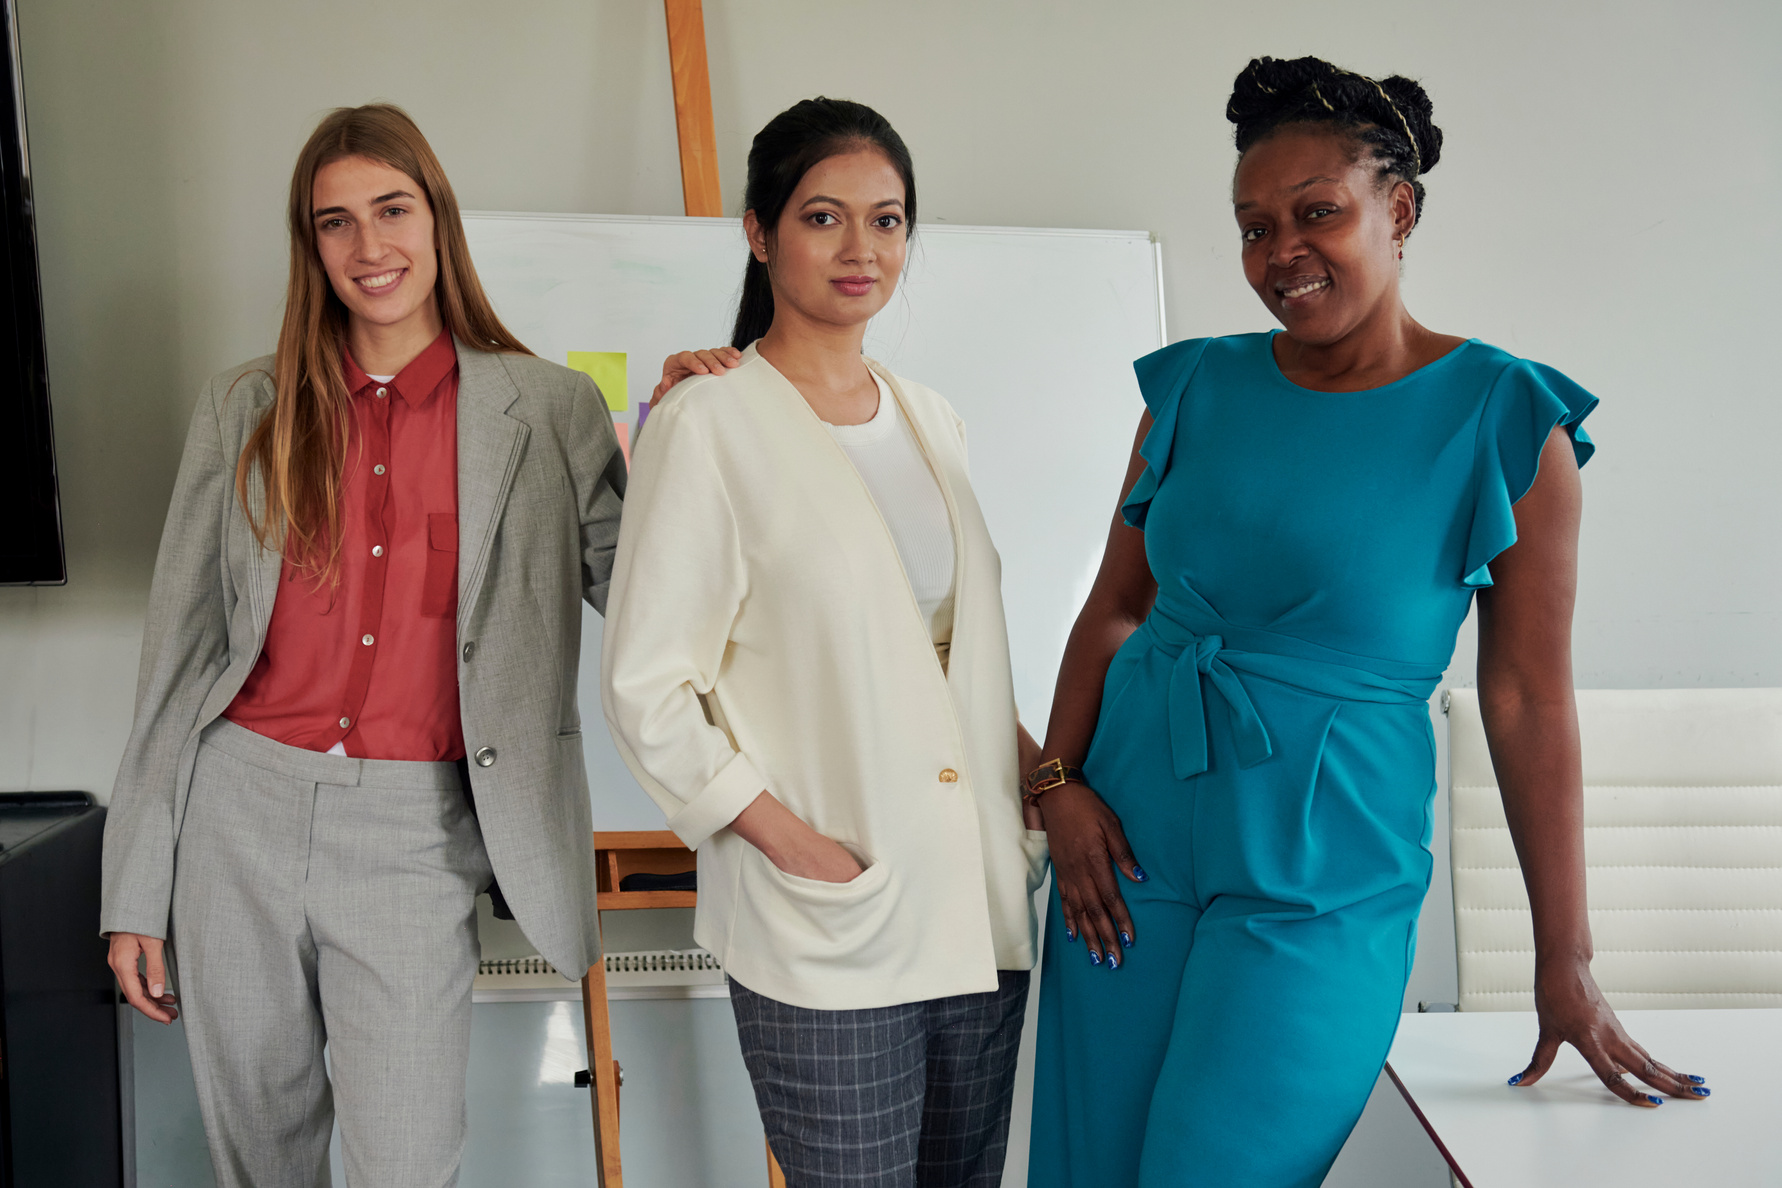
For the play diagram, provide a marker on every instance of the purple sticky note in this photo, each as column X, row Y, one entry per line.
column 643, row 412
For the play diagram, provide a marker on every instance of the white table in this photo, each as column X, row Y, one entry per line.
column 1570, row 1130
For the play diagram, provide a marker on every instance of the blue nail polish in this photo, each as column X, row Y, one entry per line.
column 1138, row 873
column 1070, row 933
column 1695, row 1080
column 1094, row 956
column 1516, row 1080
column 1126, row 939
column 1654, row 1100
column 1701, row 1092
column 1113, row 960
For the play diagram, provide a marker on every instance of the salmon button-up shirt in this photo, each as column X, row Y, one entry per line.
column 370, row 663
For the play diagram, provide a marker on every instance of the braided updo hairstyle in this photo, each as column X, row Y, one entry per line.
column 1389, row 117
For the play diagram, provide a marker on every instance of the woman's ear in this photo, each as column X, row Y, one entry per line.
column 1403, row 205
column 757, row 236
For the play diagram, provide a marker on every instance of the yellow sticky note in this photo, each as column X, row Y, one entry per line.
column 607, row 370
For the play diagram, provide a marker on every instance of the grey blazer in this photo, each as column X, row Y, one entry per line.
column 540, row 484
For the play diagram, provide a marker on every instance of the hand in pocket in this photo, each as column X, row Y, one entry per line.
column 792, row 845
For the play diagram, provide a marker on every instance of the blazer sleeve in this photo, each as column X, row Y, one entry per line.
column 678, row 584
column 597, row 468
column 185, row 649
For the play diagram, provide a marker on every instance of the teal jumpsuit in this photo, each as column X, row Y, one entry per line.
column 1265, row 739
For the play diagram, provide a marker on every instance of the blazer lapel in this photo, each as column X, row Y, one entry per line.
column 489, row 447
column 264, row 565
column 800, row 418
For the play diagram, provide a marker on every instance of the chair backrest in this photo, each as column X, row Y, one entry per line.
column 1683, row 840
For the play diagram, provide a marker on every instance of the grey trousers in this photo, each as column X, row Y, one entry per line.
column 910, row 1096
column 327, row 902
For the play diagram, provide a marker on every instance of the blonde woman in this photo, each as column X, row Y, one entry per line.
column 806, row 666
column 370, row 571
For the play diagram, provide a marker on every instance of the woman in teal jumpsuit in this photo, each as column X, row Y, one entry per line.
column 1308, row 517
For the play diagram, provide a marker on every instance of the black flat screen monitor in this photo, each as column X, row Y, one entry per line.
column 30, row 509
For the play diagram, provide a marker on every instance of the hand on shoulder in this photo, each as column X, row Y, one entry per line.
column 677, row 367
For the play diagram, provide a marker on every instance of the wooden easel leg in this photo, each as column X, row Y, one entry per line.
column 775, row 1177
column 603, row 1078
column 693, row 108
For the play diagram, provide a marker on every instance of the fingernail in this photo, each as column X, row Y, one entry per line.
column 156, row 990
column 1516, row 1080
column 1138, row 873
column 1070, row 933
column 1695, row 1080
column 1126, row 939
column 1094, row 956
column 1654, row 1100
column 1113, row 961
column 1699, row 1091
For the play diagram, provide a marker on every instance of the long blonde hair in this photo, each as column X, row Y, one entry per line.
column 300, row 445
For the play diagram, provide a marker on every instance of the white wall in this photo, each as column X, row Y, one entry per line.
column 1602, row 206
column 1605, row 204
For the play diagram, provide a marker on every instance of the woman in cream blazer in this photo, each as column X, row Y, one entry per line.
column 764, row 652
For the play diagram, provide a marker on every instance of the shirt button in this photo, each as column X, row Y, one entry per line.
column 949, row 776
column 485, row 757
column 381, row 392
column 469, row 648
column 378, row 469
column 345, row 722
column 377, row 550
column 367, row 640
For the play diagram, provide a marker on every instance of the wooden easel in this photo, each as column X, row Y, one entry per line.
column 657, row 852
column 615, row 856
column 693, row 108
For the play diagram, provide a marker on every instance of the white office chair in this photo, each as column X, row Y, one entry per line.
column 1683, row 841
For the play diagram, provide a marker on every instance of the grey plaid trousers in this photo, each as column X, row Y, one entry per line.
column 908, row 1096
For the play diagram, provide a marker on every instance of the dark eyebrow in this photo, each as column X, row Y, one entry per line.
column 378, row 201
column 839, row 202
column 1300, row 188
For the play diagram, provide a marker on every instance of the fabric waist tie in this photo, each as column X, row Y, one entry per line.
column 1207, row 648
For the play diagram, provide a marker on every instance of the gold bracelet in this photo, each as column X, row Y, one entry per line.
column 1054, row 773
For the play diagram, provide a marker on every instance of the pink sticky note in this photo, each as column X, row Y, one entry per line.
column 624, row 432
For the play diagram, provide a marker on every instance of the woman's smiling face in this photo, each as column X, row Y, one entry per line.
column 374, row 233
column 1320, row 231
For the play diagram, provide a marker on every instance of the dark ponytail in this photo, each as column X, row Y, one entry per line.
column 1391, row 118
column 793, row 143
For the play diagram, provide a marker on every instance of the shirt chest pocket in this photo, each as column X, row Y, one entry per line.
column 439, row 583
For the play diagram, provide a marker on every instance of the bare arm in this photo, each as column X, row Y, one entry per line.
column 1531, row 724
column 1085, row 837
column 1118, row 602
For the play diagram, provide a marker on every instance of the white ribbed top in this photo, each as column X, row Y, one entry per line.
column 890, row 462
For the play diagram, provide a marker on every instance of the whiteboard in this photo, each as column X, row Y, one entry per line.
column 1029, row 333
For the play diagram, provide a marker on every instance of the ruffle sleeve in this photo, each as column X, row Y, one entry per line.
column 1526, row 403
column 1162, row 376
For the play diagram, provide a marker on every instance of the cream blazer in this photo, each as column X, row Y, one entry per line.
column 761, row 634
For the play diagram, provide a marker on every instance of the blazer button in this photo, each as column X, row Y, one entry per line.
column 485, row 757
column 949, row 776
column 469, row 648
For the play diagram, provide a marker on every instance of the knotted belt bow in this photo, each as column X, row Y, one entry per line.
column 1208, row 650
